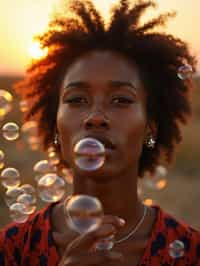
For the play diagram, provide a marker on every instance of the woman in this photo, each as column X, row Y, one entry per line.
column 117, row 83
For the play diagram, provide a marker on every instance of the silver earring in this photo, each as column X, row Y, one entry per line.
column 56, row 140
column 150, row 142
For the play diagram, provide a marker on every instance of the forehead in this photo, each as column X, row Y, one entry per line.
column 100, row 66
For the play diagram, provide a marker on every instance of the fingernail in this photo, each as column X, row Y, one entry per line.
column 122, row 221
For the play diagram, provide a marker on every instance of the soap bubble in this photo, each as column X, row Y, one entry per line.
column 5, row 102
column 28, row 201
column 89, row 154
column 17, row 213
column 28, row 189
column 51, row 188
column 12, row 194
column 10, row 178
column 10, row 131
column 42, row 167
column 2, row 156
column 176, row 249
column 185, row 72
column 83, row 213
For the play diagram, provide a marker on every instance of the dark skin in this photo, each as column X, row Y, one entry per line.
column 102, row 94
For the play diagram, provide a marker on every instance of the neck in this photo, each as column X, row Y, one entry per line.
column 117, row 195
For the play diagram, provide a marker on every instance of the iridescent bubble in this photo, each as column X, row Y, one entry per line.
column 10, row 131
column 51, row 188
column 185, row 72
column 176, row 249
column 89, row 154
column 158, row 180
column 17, row 213
column 53, row 158
column 83, row 213
column 28, row 189
column 12, row 194
column 2, row 156
column 28, row 201
column 42, row 167
column 10, row 178
column 5, row 102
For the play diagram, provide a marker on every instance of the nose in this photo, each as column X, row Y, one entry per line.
column 96, row 119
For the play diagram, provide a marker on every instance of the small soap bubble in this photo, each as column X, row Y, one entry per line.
column 89, row 154
column 176, row 249
column 12, row 194
column 28, row 201
column 10, row 177
column 83, row 213
column 51, row 188
column 28, row 189
column 185, row 72
column 10, row 131
column 17, row 213
column 2, row 156
column 5, row 102
column 42, row 167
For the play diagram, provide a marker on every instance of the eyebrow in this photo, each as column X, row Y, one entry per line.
column 112, row 83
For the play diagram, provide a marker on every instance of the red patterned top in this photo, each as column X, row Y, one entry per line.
column 31, row 243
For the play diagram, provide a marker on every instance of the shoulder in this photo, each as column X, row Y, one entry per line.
column 17, row 239
column 172, row 242
column 175, row 239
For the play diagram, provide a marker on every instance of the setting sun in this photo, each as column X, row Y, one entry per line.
column 21, row 20
column 36, row 52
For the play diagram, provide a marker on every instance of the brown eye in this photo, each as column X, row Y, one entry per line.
column 122, row 100
column 76, row 100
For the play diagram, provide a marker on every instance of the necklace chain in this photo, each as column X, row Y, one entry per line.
column 135, row 229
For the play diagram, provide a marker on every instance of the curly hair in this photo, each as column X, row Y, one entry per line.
column 157, row 55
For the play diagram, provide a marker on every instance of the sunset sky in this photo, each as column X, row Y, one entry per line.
column 20, row 20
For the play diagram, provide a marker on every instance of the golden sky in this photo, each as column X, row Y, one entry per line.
column 20, row 20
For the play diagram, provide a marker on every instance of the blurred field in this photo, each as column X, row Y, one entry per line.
column 182, row 194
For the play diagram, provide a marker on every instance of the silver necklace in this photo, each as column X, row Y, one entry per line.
column 135, row 229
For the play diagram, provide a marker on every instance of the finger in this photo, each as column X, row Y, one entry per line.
column 85, row 241
column 114, row 220
column 97, row 258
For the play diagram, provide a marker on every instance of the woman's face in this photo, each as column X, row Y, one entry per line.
column 102, row 96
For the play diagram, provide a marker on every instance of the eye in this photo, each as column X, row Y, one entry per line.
column 76, row 100
column 122, row 100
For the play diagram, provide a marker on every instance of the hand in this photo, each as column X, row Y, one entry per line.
column 79, row 251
